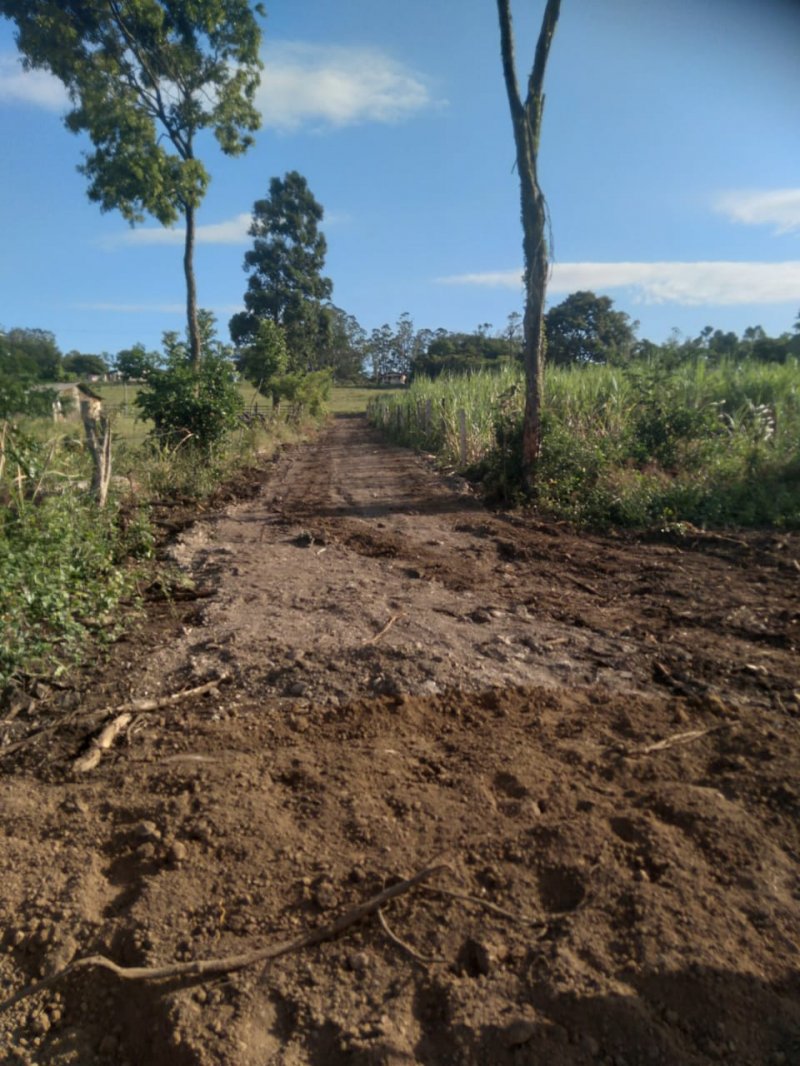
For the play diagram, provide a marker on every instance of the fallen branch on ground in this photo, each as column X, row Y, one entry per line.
column 384, row 631
column 487, row 905
column 94, row 718
column 230, row 963
column 681, row 738
column 411, row 952
column 102, row 743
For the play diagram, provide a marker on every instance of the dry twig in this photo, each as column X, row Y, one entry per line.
column 102, row 743
column 491, row 907
column 411, row 952
column 384, row 631
column 94, row 718
column 230, row 963
column 681, row 738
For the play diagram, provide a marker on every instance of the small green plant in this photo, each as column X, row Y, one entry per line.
column 60, row 583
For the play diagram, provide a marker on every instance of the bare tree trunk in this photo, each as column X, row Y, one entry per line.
column 527, row 121
column 193, row 328
column 98, row 439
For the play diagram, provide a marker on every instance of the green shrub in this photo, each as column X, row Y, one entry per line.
column 194, row 408
column 60, row 582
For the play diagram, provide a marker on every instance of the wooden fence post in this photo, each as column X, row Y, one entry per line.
column 98, row 437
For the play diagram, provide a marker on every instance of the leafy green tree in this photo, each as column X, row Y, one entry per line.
column 463, row 353
column 266, row 358
column 379, row 350
column 31, row 353
column 145, row 78
column 79, row 365
column 585, row 328
column 285, row 265
column 136, row 363
column 345, row 346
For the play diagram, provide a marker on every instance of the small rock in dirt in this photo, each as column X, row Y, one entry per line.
column 40, row 1023
column 325, row 895
column 358, row 962
column 297, row 688
column 178, row 853
column 147, row 831
column 518, row 1033
column 481, row 616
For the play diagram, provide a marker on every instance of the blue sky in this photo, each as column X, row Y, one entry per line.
column 670, row 158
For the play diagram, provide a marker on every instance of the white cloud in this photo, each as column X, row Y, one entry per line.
column 336, row 85
column 690, row 284
column 232, row 231
column 29, row 86
column 774, row 207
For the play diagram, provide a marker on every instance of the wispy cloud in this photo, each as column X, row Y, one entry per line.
column 34, row 87
column 337, row 85
column 231, row 231
column 766, row 207
column 690, row 284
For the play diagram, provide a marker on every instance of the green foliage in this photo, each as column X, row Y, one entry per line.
column 19, row 396
column 136, row 363
column 303, row 392
column 145, row 77
column 344, row 346
column 266, row 357
column 190, row 407
column 584, row 329
column 31, row 354
column 60, row 582
column 285, row 265
column 642, row 446
column 78, row 365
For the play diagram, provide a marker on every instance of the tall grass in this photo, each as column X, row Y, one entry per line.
column 635, row 446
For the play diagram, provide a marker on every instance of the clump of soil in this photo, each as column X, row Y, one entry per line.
column 598, row 736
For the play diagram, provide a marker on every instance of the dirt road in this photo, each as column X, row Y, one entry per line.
column 599, row 736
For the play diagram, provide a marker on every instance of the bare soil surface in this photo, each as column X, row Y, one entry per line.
column 600, row 737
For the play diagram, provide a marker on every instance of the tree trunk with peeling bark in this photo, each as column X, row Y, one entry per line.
column 526, row 119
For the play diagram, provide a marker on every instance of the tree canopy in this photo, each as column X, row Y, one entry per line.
column 285, row 265
column 144, row 78
column 585, row 328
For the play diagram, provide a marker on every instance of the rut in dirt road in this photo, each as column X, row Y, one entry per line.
column 352, row 534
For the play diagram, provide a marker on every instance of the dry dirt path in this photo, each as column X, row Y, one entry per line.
column 410, row 677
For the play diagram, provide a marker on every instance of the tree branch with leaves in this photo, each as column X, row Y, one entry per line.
column 144, row 78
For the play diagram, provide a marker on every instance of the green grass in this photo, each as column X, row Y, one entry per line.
column 353, row 399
